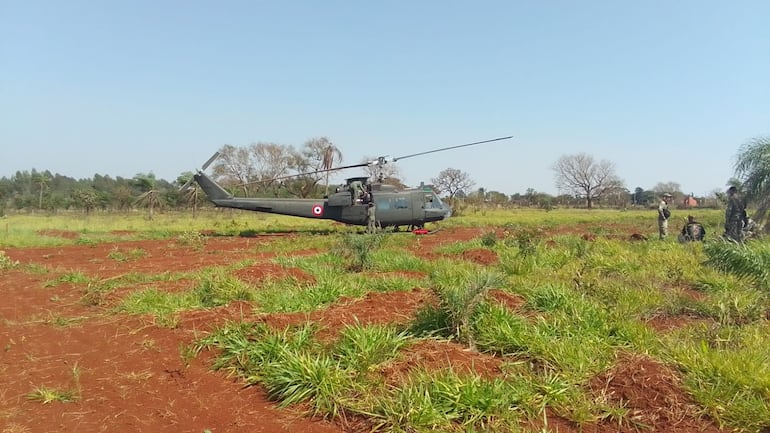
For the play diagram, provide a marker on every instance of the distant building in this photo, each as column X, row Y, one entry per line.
column 690, row 201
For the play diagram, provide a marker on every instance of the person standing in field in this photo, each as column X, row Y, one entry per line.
column 735, row 215
column 371, row 218
column 663, row 215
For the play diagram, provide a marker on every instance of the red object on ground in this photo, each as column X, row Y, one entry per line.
column 420, row 232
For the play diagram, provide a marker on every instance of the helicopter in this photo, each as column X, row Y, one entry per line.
column 349, row 204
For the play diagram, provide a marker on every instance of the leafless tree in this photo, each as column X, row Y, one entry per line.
column 580, row 175
column 234, row 167
column 331, row 156
column 308, row 165
column 452, row 180
column 272, row 161
column 673, row 188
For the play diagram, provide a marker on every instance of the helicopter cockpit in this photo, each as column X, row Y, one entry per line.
column 432, row 201
column 435, row 209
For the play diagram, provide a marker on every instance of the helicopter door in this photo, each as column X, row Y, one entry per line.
column 394, row 210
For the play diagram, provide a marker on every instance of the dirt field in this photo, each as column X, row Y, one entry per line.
column 130, row 376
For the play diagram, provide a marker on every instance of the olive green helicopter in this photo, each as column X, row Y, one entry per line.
column 394, row 207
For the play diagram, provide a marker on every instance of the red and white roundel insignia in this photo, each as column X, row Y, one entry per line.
column 318, row 210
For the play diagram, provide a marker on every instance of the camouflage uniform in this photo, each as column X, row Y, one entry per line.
column 662, row 218
column 693, row 231
column 735, row 214
column 371, row 219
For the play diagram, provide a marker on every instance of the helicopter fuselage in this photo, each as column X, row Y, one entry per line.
column 393, row 208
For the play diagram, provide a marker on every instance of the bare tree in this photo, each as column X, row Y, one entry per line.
column 451, row 181
column 235, row 167
column 271, row 161
column 331, row 155
column 580, row 175
column 308, row 164
column 670, row 187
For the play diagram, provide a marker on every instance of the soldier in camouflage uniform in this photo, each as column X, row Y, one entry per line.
column 663, row 215
column 371, row 218
column 692, row 231
column 735, row 215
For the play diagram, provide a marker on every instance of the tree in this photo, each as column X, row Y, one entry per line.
column 85, row 199
column 308, row 164
column 581, row 175
column 235, row 166
column 752, row 168
column 497, row 198
column 41, row 180
column 150, row 198
column 192, row 194
column 672, row 188
column 451, row 181
column 331, row 155
column 272, row 161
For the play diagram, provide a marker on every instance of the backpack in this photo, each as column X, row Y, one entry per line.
column 666, row 213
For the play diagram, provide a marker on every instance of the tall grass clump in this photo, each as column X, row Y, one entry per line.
column 727, row 370
column 362, row 347
column 567, row 333
column 299, row 377
column 750, row 261
column 244, row 348
column 6, row 262
column 446, row 401
column 218, row 287
column 460, row 297
column 290, row 364
column 291, row 295
column 357, row 249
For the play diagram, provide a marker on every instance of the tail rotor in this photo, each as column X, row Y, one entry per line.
column 203, row 167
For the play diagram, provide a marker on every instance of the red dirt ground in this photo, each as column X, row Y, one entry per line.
column 130, row 374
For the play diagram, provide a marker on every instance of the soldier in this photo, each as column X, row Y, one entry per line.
column 356, row 191
column 692, row 231
column 735, row 215
column 663, row 215
column 371, row 219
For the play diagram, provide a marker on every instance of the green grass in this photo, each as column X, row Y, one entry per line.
column 45, row 395
column 584, row 302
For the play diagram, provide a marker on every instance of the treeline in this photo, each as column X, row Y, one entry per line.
column 28, row 191
column 279, row 171
column 43, row 190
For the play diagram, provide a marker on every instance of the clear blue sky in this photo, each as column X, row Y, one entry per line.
column 667, row 90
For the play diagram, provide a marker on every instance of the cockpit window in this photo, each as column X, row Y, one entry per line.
column 432, row 201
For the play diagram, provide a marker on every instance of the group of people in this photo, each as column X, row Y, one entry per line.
column 737, row 221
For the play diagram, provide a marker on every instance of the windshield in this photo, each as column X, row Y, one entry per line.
column 432, row 201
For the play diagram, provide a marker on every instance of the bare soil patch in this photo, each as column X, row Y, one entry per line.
column 129, row 374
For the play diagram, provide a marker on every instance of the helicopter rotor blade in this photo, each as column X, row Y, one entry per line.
column 307, row 173
column 452, row 147
column 203, row 167
column 210, row 160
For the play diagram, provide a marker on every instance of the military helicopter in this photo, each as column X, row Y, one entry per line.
column 411, row 207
